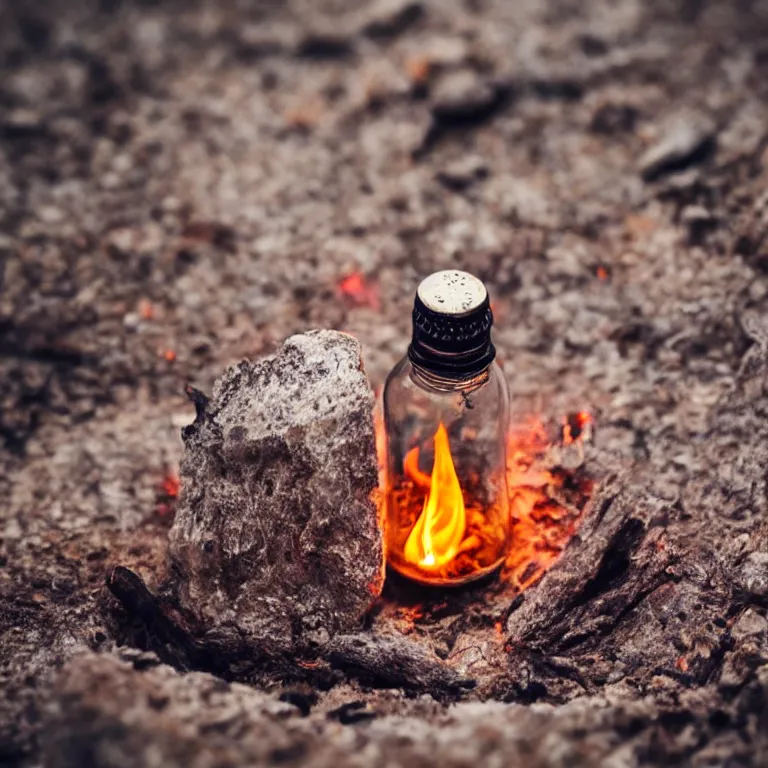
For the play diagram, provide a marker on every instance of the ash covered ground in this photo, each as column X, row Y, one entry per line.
column 184, row 184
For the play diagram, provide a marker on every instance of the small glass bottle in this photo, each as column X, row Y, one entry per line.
column 446, row 410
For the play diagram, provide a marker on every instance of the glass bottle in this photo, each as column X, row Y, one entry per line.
column 446, row 416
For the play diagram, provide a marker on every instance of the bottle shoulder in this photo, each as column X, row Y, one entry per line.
column 402, row 368
column 497, row 378
column 399, row 380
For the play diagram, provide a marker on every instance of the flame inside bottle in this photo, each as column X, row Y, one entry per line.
column 436, row 537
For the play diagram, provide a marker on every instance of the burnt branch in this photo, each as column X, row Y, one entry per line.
column 394, row 662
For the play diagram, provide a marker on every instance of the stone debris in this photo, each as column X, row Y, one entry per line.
column 464, row 96
column 388, row 18
column 685, row 136
column 753, row 576
column 110, row 712
column 461, row 173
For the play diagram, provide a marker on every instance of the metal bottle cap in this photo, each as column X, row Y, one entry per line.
column 452, row 322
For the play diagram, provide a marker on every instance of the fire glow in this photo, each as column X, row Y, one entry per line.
column 357, row 291
column 450, row 530
column 546, row 500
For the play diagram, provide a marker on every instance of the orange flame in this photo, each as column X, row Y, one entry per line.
column 411, row 469
column 437, row 535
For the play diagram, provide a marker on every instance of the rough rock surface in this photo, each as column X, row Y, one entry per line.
column 277, row 530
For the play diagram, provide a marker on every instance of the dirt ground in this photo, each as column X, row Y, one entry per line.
column 184, row 184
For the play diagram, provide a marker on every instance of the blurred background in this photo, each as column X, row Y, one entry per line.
column 184, row 184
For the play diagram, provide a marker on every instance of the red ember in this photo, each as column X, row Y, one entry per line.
column 171, row 485
column 167, row 493
column 418, row 68
column 146, row 310
column 358, row 291
column 543, row 522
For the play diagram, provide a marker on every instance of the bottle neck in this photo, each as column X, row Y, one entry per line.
column 459, row 366
column 436, row 382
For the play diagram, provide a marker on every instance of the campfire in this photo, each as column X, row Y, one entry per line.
column 296, row 494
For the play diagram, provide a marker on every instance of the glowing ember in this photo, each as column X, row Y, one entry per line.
column 167, row 493
column 418, row 69
column 356, row 290
column 439, row 531
column 544, row 519
column 145, row 309
column 575, row 425
column 171, row 485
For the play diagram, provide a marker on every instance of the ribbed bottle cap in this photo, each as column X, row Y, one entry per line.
column 452, row 322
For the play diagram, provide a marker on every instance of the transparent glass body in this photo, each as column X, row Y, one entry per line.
column 447, row 518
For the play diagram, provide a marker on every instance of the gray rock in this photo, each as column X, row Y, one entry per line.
column 685, row 136
column 464, row 96
column 695, row 214
column 388, row 18
column 277, row 530
column 753, row 576
column 461, row 173
column 444, row 50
